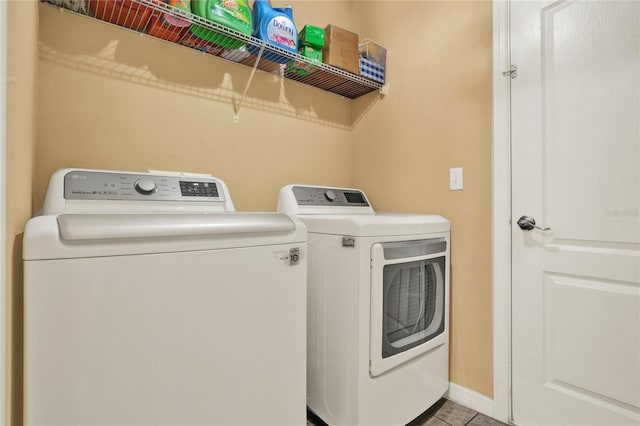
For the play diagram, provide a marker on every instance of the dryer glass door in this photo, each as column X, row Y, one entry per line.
column 408, row 300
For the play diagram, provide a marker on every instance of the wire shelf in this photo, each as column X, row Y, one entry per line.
column 153, row 18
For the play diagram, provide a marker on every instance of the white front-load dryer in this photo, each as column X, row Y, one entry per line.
column 150, row 301
column 378, row 297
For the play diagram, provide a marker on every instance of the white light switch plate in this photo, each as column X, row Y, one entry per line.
column 455, row 179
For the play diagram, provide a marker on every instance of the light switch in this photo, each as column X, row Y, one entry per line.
column 455, row 179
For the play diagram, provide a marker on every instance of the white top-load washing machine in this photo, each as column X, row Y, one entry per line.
column 378, row 297
column 149, row 301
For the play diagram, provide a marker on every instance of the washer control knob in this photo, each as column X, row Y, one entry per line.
column 330, row 195
column 145, row 186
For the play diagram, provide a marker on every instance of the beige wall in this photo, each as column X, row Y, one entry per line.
column 107, row 98
column 21, row 136
column 110, row 99
column 438, row 116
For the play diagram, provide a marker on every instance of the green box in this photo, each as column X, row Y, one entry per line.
column 312, row 54
column 311, row 36
column 302, row 69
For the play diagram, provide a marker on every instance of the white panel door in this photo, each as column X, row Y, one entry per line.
column 575, row 169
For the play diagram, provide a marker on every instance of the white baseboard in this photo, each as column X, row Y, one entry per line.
column 470, row 399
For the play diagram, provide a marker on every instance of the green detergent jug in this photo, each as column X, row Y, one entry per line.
column 234, row 14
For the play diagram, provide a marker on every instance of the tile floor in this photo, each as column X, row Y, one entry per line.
column 442, row 413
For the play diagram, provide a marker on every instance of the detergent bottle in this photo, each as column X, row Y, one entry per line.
column 234, row 14
column 275, row 26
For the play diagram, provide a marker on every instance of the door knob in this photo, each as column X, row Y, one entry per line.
column 527, row 223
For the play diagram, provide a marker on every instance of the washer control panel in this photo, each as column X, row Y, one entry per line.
column 315, row 196
column 90, row 185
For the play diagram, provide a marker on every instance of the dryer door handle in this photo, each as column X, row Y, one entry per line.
column 124, row 226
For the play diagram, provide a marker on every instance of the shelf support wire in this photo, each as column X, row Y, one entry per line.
column 236, row 112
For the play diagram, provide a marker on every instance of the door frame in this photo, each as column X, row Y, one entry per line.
column 3, row 204
column 501, row 217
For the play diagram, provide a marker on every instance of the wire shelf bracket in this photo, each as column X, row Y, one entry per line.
column 236, row 107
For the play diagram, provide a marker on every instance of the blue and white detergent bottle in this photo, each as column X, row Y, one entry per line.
column 274, row 26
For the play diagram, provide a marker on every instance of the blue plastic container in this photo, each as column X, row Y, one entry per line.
column 275, row 26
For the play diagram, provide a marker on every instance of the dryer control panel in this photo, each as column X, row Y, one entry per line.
column 317, row 196
column 101, row 191
column 94, row 185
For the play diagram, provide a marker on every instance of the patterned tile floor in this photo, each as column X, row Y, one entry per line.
column 442, row 413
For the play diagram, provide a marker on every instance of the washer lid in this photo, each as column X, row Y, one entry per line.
column 78, row 235
column 379, row 224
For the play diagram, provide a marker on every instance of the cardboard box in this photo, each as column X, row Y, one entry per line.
column 311, row 36
column 341, row 49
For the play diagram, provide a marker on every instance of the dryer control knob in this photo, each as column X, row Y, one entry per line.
column 330, row 195
column 145, row 186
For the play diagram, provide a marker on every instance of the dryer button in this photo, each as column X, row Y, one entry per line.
column 330, row 195
column 145, row 186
